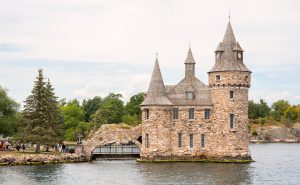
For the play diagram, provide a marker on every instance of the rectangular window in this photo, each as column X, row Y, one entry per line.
column 231, row 121
column 147, row 140
column 191, row 141
column 191, row 113
column 146, row 113
column 207, row 113
column 189, row 95
column 202, row 140
column 175, row 113
column 179, row 139
column 218, row 77
column 231, row 93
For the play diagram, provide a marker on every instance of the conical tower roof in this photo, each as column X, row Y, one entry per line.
column 189, row 58
column 229, row 35
column 228, row 61
column 156, row 94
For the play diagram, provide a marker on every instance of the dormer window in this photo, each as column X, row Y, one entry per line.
column 239, row 55
column 189, row 95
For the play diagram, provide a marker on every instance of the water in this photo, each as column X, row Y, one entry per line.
column 275, row 164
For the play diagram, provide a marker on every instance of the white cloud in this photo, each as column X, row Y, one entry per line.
column 138, row 83
column 131, row 32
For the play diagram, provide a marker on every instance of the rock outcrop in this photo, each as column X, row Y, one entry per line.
column 276, row 134
column 32, row 159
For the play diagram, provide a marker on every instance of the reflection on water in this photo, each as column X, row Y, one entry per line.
column 276, row 164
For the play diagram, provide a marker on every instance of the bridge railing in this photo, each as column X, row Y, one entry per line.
column 117, row 149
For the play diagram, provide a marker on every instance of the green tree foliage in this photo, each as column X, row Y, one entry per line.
column 258, row 110
column 133, row 113
column 111, row 110
column 279, row 108
column 292, row 113
column 90, row 106
column 41, row 121
column 73, row 115
column 8, row 114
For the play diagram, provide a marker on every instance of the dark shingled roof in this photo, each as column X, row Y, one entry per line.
column 177, row 93
column 228, row 61
column 189, row 58
column 156, row 94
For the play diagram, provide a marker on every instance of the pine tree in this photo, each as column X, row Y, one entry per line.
column 42, row 122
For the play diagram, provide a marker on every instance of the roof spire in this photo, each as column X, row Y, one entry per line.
column 156, row 94
column 229, row 16
column 229, row 35
column 189, row 58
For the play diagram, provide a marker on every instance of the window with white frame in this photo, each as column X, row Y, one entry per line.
column 175, row 113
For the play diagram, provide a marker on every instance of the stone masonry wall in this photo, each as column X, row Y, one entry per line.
column 110, row 134
column 221, row 142
column 231, row 143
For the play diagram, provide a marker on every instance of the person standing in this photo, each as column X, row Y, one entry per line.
column 63, row 148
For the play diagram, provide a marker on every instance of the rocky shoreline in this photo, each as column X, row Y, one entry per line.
column 276, row 134
column 38, row 159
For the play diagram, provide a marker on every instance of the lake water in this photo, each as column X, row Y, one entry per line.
column 275, row 164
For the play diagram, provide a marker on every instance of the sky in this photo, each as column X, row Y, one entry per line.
column 90, row 48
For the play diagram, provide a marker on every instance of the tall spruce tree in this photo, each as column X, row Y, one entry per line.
column 42, row 122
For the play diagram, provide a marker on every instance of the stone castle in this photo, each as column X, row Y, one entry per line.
column 192, row 120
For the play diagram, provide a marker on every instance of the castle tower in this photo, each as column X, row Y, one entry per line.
column 189, row 65
column 156, row 119
column 229, row 82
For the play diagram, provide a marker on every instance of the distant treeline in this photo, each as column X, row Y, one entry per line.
column 47, row 120
column 280, row 111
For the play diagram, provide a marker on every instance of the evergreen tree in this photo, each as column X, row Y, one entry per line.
column 42, row 123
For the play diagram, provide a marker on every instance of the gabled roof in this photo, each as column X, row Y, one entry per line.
column 177, row 93
column 228, row 61
column 156, row 94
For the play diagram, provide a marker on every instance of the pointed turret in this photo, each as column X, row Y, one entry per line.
column 189, row 64
column 229, row 54
column 189, row 58
column 156, row 94
column 229, row 35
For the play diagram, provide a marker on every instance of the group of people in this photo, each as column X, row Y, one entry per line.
column 6, row 146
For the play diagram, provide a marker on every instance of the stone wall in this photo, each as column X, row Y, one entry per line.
column 110, row 134
column 230, row 142
column 221, row 142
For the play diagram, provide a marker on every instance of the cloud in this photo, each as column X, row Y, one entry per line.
column 272, row 97
column 95, row 47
